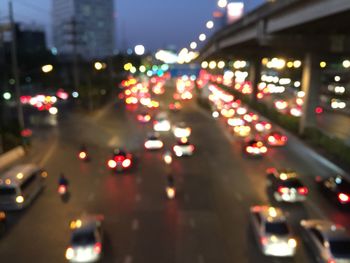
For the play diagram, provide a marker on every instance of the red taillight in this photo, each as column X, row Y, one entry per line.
column 112, row 164
column 283, row 190
column 62, row 189
column 192, row 148
column 264, row 241
column 126, row 163
column 303, row 190
column 284, row 138
column 331, row 261
column 343, row 198
column 98, row 248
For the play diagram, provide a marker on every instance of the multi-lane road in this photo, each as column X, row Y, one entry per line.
column 206, row 223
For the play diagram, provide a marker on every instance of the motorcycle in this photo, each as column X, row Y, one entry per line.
column 83, row 156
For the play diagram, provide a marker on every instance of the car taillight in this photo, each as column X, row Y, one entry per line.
column 283, row 190
column 331, row 261
column 61, row 189
column 284, row 138
column 264, row 241
column 69, row 253
column 98, row 248
column 192, row 148
column 126, row 163
column 343, row 198
column 303, row 190
column 112, row 164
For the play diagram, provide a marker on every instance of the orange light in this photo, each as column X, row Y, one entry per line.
column 82, row 155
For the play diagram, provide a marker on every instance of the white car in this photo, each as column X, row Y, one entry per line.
column 327, row 241
column 272, row 232
column 161, row 125
column 153, row 142
column 86, row 240
column 183, row 148
column 181, row 130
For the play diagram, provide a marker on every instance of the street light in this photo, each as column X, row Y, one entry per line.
column 139, row 50
column 98, row 65
column 47, row 68
column 193, row 45
column 346, row 64
column 210, row 24
column 222, row 3
column 202, row 37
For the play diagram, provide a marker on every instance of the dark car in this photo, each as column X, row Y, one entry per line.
column 121, row 160
column 286, row 186
column 337, row 188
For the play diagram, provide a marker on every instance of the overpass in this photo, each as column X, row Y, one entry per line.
column 297, row 28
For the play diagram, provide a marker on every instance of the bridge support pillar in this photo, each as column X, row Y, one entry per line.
column 255, row 76
column 311, row 82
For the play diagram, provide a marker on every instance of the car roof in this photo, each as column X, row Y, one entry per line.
column 17, row 174
column 269, row 213
column 328, row 229
column 85, row 224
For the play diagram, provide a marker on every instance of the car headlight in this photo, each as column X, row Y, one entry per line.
column 19, row 199
column 292, row 242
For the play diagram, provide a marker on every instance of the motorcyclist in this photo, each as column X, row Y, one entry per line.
column 63, row 180
column 171, row 181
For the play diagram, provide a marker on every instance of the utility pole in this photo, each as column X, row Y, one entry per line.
column 15, row 71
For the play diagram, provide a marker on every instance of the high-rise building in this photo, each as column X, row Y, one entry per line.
column 87, row 25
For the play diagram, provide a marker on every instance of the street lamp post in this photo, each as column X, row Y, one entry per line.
column 14, row 60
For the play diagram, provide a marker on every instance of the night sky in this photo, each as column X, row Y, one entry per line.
column 154, row 23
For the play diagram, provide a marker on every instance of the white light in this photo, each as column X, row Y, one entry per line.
column 204, row 64
column 346, row 63
column 139, row 50
column 221, row 64
column 133, row 70
column 202, row 37
column 53, row 110
column 301, row 94
column 212, row 64
column 210, row 24
column 47, row 68
column 193, row 45
column 297, row 84
column 215, row 114
column 142, row 69
column 285, row 81
column 7, row 95
column 222, row 3
column 337, row 78
column 75, row 94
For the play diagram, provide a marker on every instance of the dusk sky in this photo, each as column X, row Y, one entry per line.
column 154, row 23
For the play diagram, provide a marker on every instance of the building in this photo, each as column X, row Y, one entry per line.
column 87, row 25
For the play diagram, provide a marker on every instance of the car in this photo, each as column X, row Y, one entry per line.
column 2, row 222
column 175, row 106
column 337, row 188
column 253, row 147
column 263, row 126
column 286, row 185
column 183, row 148
column 143, row 117
column 181, row 130
column 276, row 139
column 272, row 231
column 235, row 121
column 161, row 125
column 120, row 160
column 242, row 130
column 153, row 142
column 86, row 243
column 328, row 242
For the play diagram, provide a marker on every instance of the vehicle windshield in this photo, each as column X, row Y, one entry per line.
column 292, row 183
column 7, row 191
column 83, row 238
column 340, row 248
column 277, row 228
